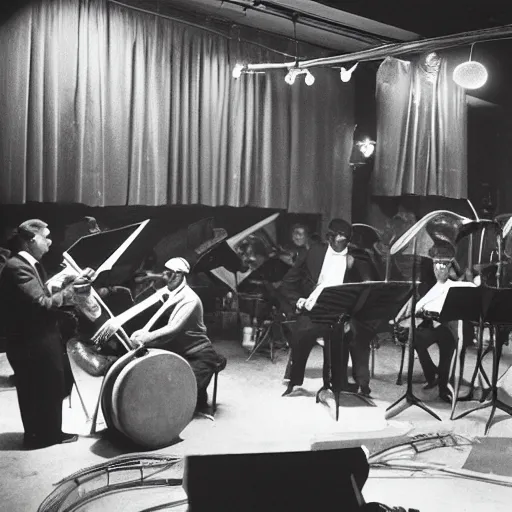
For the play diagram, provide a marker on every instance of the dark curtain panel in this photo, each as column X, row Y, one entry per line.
column 104, row 105
column 421, row 129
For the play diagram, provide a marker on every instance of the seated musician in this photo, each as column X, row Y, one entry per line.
column 327, row 264
column 184, row 332
column 429, row 331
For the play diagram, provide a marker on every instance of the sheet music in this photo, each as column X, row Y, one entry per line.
column 432, row 301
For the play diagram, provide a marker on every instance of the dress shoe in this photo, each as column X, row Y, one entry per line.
column 430, row 384
column 445, row 396
column 366, row 391
column 67, row 438
column 350, row 387
column 288, row 390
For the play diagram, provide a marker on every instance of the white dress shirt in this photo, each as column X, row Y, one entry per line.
column 332, row 274
column 29, row 258
column 432, row 301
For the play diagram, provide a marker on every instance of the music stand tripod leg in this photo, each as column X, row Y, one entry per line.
column 261, row 338
column 409, row 399
column 458, row 368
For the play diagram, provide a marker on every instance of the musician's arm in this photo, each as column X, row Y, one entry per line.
column 291, row 285
column 159, row 338
column 30, row 287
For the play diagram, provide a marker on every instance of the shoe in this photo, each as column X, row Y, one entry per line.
column 204, row 409
column 445, row 396
column 430, row 385
column 33, row 442
column 67, row 438
column 288, row 390
column 366, row 391
column 350, row 387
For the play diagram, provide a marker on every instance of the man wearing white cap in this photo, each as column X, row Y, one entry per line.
column 181, row 330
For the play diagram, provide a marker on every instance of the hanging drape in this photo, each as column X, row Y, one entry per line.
column 104, row 105
column 421, row 129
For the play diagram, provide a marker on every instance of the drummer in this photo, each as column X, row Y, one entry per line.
column 181, row 330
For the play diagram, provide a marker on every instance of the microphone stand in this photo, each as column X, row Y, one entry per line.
column 409, row 399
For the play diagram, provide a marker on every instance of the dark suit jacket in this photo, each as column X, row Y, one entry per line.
column 28, row 309
column 302, row 278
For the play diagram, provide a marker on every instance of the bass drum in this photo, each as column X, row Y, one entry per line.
column 150, row 397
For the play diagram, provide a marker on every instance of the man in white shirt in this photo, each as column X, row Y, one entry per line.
column 321, row 266
column 429, row 331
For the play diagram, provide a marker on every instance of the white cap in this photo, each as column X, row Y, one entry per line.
column 178, row 265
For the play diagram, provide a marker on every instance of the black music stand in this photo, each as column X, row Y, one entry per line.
column 465, row 304
column 408, row 398
column 362, row 302
column 496, row 312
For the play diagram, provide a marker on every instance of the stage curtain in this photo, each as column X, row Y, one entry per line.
column 104, row 105
column 421, row 129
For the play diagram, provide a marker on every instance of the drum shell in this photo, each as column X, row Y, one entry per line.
column 150, row 398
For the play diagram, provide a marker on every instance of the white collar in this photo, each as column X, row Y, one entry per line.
column 27, row 256
column 331, row 251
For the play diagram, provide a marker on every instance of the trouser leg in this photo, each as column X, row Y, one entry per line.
column 303, row 343
column 339, row 359
column 423, row 339
column 447, row 346
column 204, row 364
column 359, row 346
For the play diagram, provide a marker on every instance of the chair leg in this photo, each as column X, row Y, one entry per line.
column 214, row 399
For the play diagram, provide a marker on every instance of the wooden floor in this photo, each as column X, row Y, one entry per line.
column 253, row 417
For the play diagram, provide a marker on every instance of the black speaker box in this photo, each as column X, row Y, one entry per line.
column 284, row 482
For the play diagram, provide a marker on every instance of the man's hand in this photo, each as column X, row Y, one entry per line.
column 141, row 337
column 300, row 303
column 107, row 330
column 87, row 273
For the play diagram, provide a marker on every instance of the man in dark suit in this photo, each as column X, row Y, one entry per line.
column 328, row 264
column 34, row 345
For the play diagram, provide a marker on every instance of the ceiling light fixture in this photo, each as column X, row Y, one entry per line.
column 470, row 74
column 237, row 70
column 346, row 74
column 293, row 73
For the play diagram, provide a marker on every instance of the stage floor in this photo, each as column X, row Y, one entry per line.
column 253, row 417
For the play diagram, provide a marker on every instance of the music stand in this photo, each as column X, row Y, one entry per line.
column 496, row 312
column 362, row 302
column 408, row 398
column 464, row 303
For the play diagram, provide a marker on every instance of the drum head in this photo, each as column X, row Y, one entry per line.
column 108, row 386
column 154, row 398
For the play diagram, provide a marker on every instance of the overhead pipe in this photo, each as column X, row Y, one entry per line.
column 394, row 49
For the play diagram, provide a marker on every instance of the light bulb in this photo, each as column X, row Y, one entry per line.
column 470, row 75
column 367, row 147
column 237, row 70
column 290, row 77
column 346, row 74
column 310, row 79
